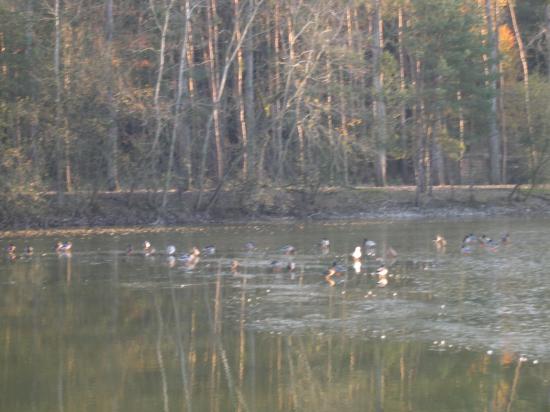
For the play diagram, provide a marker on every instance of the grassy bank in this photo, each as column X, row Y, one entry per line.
column 141, row 208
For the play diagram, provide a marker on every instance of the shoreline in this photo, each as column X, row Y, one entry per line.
column 136, row 211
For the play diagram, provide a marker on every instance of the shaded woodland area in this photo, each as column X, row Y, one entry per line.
column 163, row 95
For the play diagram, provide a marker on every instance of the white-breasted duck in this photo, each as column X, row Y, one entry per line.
column 357, row 254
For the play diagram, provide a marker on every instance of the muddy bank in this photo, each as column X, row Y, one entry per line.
column 143, row 208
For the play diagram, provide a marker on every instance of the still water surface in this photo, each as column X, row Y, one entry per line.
column 102, row 331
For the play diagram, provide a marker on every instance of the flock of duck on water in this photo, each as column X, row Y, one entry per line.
column 367, row 250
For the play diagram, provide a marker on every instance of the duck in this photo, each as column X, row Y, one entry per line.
column 279, row 265
column 28, row 250
column 334, row 270
column 324, row 243
column 250, row 246
column 129, row 250
column 357, row 253
column 63, row 246
column 382, row 271
column 209, row 250
column 391, row 253
column 288, row 250
column 370, row 247
column 191, row 258
column 505, row 238
column 369, row 243
column 10, row 249
column 439, row 241
column 170, row 250
column 469, row 238
column 148, row 249
column 486, row 241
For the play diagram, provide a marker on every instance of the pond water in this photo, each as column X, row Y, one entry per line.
column 98, row 330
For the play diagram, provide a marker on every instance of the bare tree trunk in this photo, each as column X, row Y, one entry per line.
column 237, row 12
column 34, row 118
column 379, row 106
column 494, row 133
column 500, row 101
column 547, row 38
column 214, row 84
column 181, row 93
column 330, row 123
column 402, row 89
column 420, row 135
column 525, row 68
column 278, row 129
column 59, row 138
column 438, row 162
column 189, row 122
column 461, row 124
column 299, row 125
column 344, row 127
column 112, row 152
column 155, row 150
column 249, row 104
column 219, row 87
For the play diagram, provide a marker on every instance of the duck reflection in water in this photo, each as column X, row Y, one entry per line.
column 171, row 261
column 278, row 266
column 382, row 273
column 234, row 266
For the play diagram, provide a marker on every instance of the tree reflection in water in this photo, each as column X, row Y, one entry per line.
column 104, row 331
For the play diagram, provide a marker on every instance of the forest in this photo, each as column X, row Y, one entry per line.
column 193, row 95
